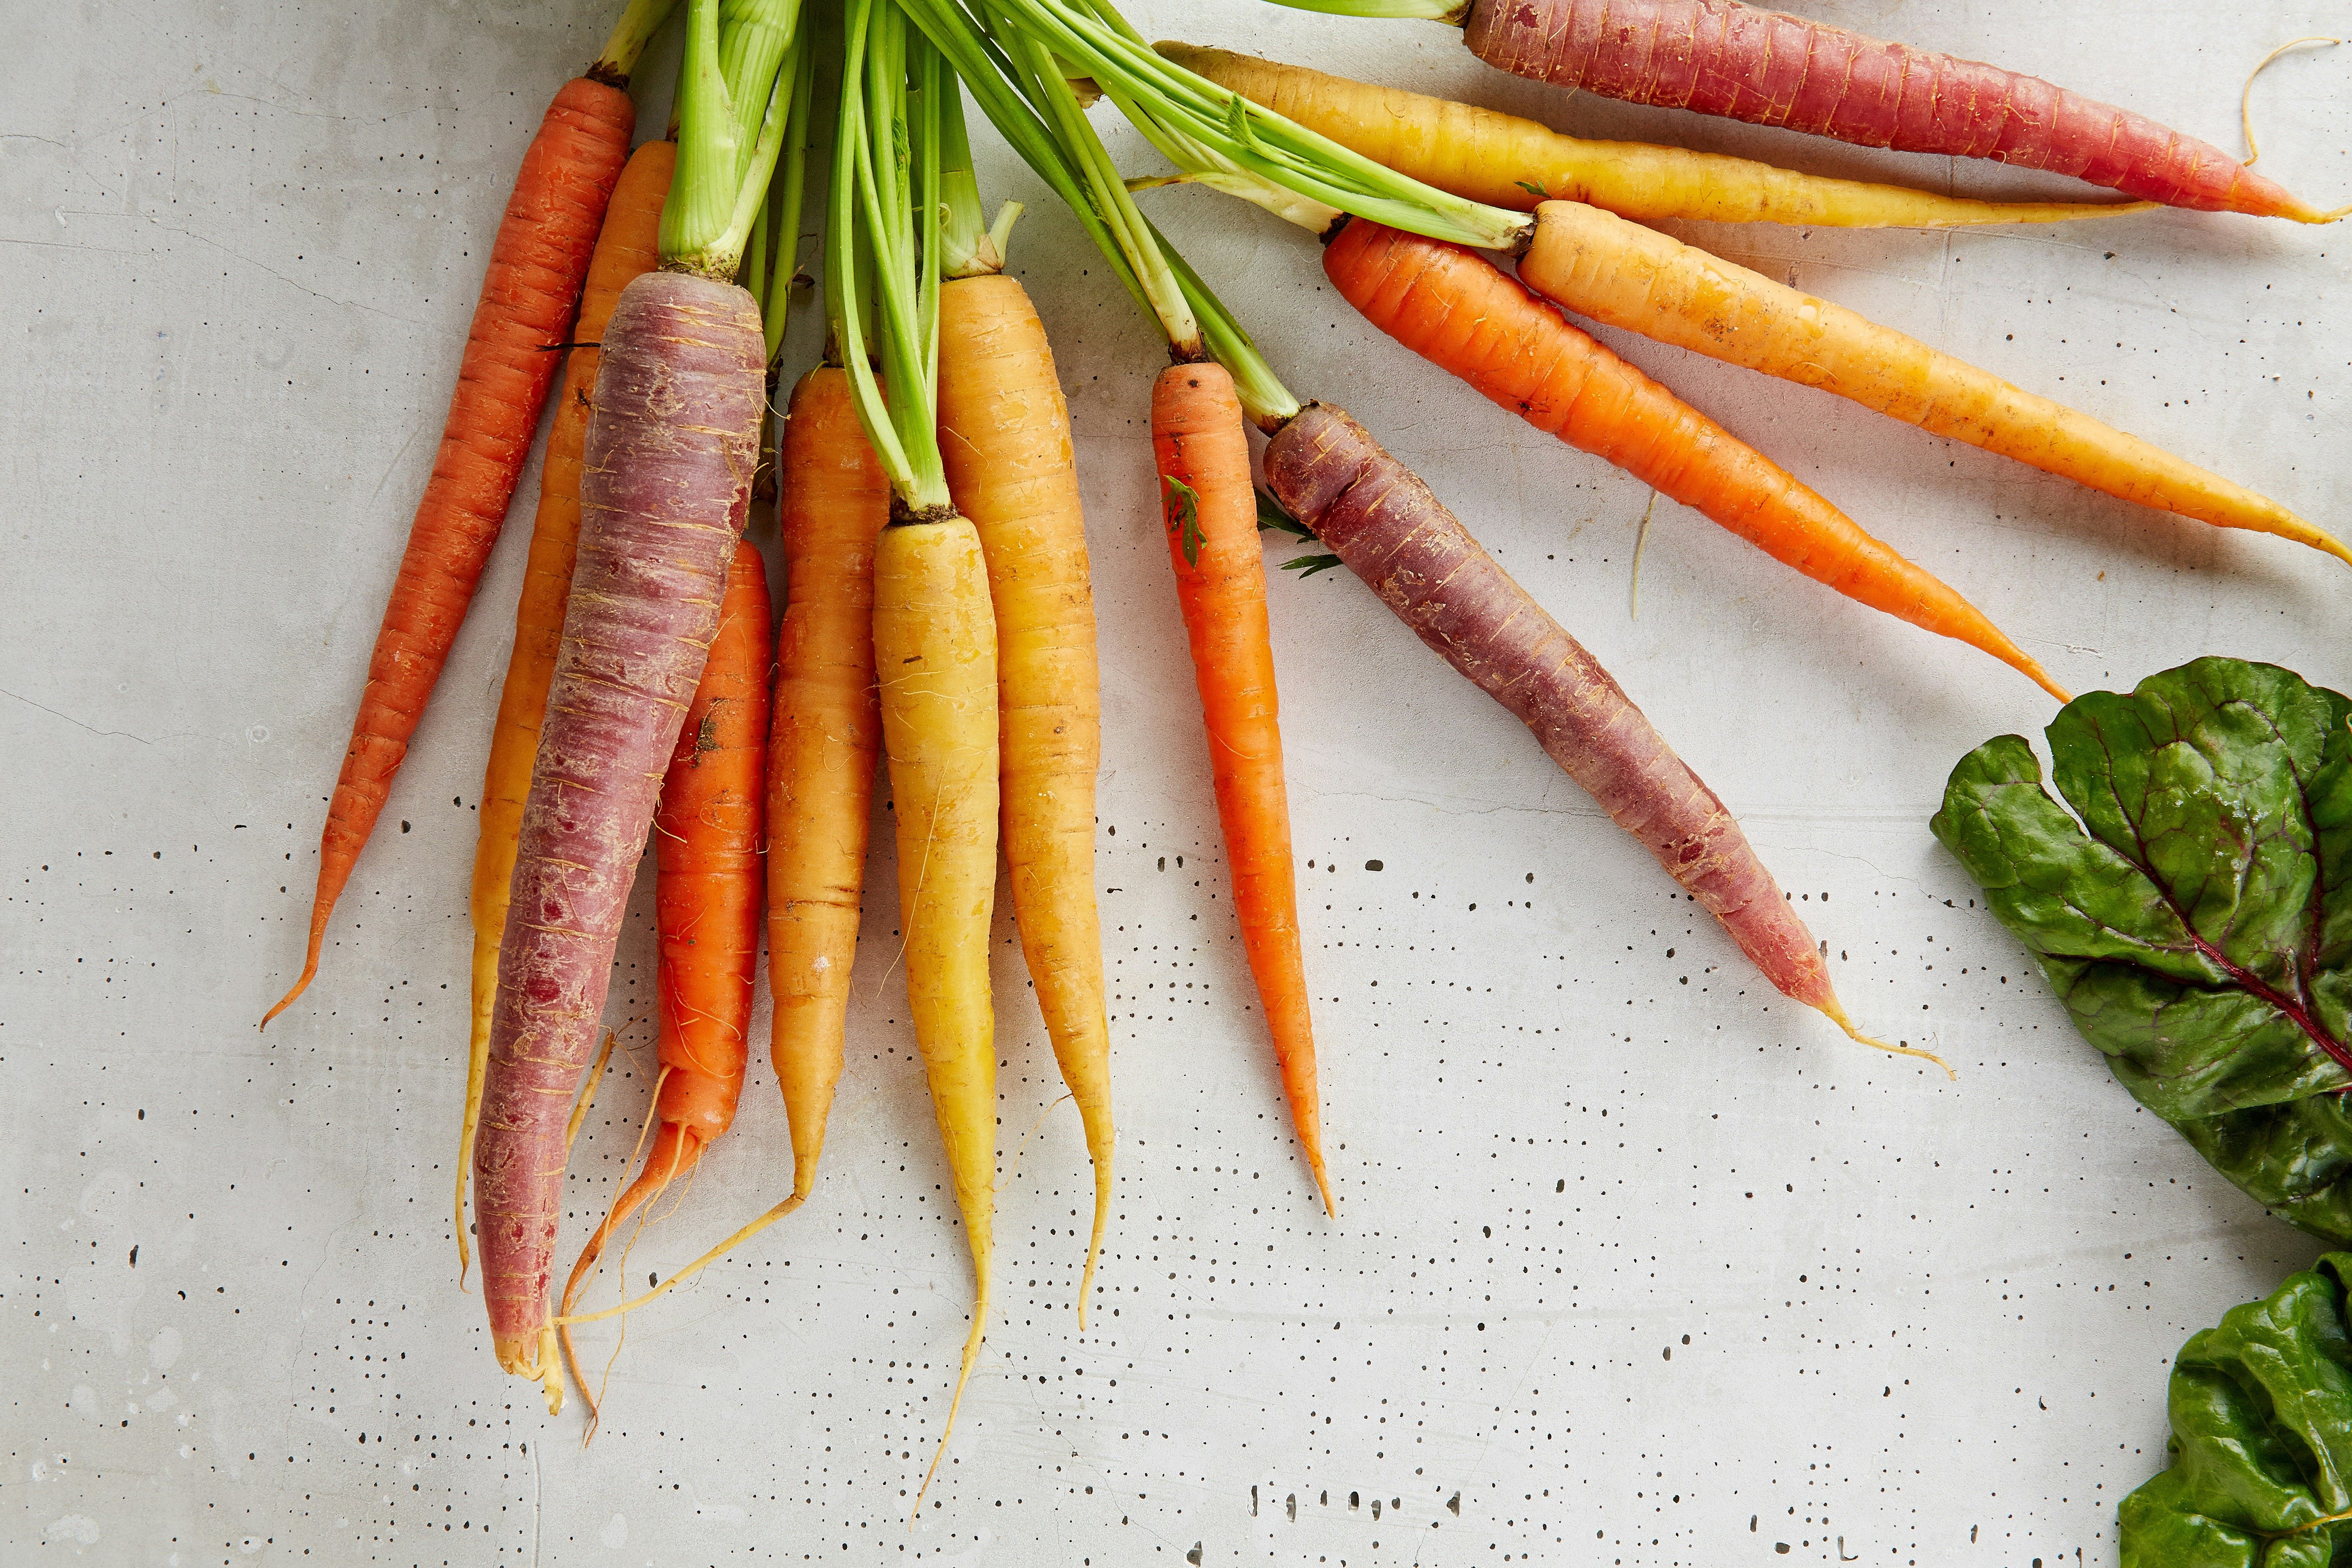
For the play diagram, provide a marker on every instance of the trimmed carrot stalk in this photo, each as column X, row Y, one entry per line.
column 625, row 250
column 1210, row 510
column 823, row 747
column 1457, row 310
column 1601, row 266
column 1382, row 521
column 935, row 651
column 1767, row 67
column 708, row 877
column 538, row 264
column 1004, row 436
column 1507, row 162
column 665, row 488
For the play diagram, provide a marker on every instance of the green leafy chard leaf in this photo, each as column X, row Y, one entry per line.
column 1184, row 513
column 2261, row 1437
column 2199, row 933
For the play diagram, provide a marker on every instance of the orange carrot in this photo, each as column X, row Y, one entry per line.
column 1213, row 543
column 537, row 265
column 707, row 833
column 1458, row 310
column 826, row 738
column 626, row 247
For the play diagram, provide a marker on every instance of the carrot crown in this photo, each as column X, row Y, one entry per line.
column 883, row 217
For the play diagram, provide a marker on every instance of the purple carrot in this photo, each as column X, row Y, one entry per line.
column 1379, row 518
column 1721, row 56
column 671, row 449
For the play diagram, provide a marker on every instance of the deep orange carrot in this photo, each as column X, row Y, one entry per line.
column 1458, row 310
column 1212, row 541
column 709, row 835
column 537, row 265
column 627, row 248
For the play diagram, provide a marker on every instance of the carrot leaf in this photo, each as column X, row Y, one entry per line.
column 1308, row 565
column 1272, row 513
column 1188, row 515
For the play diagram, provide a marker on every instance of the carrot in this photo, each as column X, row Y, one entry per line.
column 1721, row 56
column 538, row 263
column 1400, row 538
column 1507, row 162
column 1204, row 458
column 934, row 629
column 822, row 748
column 1601, row 266
column 1004, row 435
column 665, row 483
column 1457, row 310
column 624, row 250
column 708, row 841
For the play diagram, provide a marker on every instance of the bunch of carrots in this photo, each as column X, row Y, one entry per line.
column 938, row 615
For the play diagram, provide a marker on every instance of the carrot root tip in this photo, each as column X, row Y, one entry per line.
column 1836, row 1014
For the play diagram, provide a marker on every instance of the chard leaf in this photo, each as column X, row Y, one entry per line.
column 2199, row 933
column 2261, row 1437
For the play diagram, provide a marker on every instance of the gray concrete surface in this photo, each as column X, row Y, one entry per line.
column 1636, row 1264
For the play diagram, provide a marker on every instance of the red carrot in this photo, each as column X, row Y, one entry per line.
column 1722, row 57
column 665, row 486
column 1382, row 521
column 538, row 263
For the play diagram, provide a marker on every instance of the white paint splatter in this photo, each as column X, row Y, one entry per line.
column 78, row 1527
column 615, row 1533
column 163, row 1350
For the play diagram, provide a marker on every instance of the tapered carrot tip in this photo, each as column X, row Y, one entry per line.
column 1322, row 1183
column 2041, row 677
column 1094, row 1245
column 310, row 973
column 1836, row 1012
column 535, row 1357
column 970, row 1356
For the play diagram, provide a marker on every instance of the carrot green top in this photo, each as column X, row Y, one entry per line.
column 883, row 221
column 630, row 34
column 1022, row 89
column 722, row 182
column 1223, row 139
column 1452, row 11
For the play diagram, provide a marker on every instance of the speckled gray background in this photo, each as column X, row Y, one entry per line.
column 1636, row 1264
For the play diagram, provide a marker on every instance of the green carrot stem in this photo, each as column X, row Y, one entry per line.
column 1048, row 90
column 880, row 164
column 790, row 188
column 1452, row 11
column 1254, row 140
column 753, row 36
column 702, row 190
column 635, row 28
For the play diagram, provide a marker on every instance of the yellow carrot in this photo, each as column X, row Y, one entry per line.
column 1601, row 266
column 935, row 657
column 1004, row 435
column 1507, row 162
